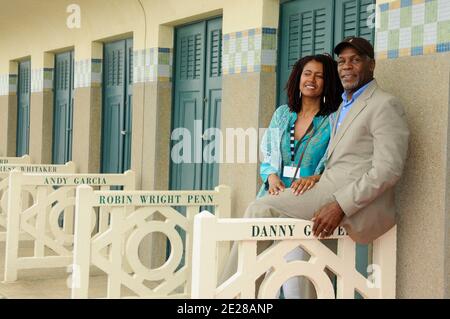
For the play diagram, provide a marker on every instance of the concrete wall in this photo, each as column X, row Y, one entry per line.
column 423, row 85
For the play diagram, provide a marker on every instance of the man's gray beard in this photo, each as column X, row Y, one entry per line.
column 351, row 87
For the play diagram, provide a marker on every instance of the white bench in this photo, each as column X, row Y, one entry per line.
column 208, row 230
column 5, row 170
column 52, row 244
column 26, row 159
column 131, row 220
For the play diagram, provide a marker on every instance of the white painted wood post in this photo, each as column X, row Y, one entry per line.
column 41, row 220
column 103, row 215
column 191, row 212
column 385, row 261
column 82, row 242
column 114, row 282
column 223, row 210
column 130, row 184
column 25, row 159
column 13, row 225
column 72, row 168
column 204, row 279
column 68, row 213
column 247, row 252
column 347, row 252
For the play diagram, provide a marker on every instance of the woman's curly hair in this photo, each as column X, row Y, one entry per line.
column 332, row 89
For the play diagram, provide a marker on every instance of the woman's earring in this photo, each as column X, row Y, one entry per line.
column 324, row 99
column 300, row 94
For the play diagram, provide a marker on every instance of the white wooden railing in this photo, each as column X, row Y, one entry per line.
column 209, row 230
column 28, row 192
column 131, row 220
column 26, row 159
column 53, row 245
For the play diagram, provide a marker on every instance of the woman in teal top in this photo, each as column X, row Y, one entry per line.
column 314, row 93
column 303, row 126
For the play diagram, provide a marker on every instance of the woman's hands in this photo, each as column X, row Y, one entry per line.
column 276, row 185
column 304, row 184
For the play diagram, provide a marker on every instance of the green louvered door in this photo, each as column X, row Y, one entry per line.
column 117, row 91
column 63, row 108
column 23, row 108
column 197, row 102
column 306, row 28
column 316, row 26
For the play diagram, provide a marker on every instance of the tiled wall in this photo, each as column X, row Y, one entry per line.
column 253, row 50
column 152, row 64
column 88, row 73
column 41, row 80
column 8, row 84
column 4, row 84
column 412, row 27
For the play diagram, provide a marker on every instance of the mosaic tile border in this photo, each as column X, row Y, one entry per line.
column 41, row 80
column 152, row 64
column 412, row 27
column 8, row 84
column 253, row 50
column 88, row 73
column 4, row 84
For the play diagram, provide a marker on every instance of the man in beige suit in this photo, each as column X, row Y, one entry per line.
column 366, row 155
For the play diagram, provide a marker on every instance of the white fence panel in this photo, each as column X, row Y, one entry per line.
column 208, row 230
column 5, row 170
column 55, row 195
column 26, row 159
column 132, row 219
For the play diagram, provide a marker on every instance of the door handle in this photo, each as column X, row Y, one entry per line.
column 123, row 132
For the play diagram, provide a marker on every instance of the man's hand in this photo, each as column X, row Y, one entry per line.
column 276, row 185
column 327, row 219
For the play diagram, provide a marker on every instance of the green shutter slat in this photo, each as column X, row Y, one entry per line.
column 293, row 50
column 215, row 52
column 23, row 108
column 321, row 39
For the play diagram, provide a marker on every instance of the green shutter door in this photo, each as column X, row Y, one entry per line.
column 196, row 107
column 213, row 101
column 306, row 28
column 23, row 108
column 188, row 103
column 63, row 108
column 197, row 102
column 116, row 107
